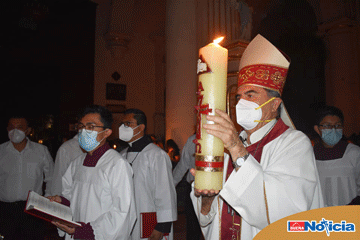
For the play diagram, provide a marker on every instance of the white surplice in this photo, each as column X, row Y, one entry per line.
column 154, row 187
column 340, row 178
column 288, row 170
column 102, row 195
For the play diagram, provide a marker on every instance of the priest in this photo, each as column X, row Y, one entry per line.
column 271, row 171
column 155, row 194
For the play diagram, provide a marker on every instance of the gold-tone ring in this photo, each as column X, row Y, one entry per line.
column 208, row 158
column 208, row 169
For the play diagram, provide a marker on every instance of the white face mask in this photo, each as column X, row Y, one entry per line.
column 16, row 135
column 126, row 133
column 248, row 114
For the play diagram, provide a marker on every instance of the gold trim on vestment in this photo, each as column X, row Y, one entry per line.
column 266, row 205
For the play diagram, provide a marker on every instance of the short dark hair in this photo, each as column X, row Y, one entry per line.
column 172, row 143
column 328, row 111
column 271, row 94
column 139, row 116
column 105, row 114
column 20, row 116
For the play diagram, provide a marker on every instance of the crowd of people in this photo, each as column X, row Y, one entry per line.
column 271, row 170
column 110, row 193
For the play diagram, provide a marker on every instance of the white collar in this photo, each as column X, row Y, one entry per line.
column 131, row 143
column 258, row 134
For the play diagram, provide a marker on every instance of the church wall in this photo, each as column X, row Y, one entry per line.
column 339, row 28
column 136, row 67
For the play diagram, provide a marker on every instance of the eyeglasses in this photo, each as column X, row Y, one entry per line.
column 329, row 126
column 88, row 127
column 127, row 124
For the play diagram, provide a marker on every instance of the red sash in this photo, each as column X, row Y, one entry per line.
column 230, row 219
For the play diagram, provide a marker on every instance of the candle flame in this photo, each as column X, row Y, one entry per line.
column 218, row 40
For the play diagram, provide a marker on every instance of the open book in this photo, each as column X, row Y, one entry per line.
column 42, row 207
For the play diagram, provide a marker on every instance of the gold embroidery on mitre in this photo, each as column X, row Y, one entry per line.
column 277, row 78
column 262, row 74
column 245, row 76
column 249, row 72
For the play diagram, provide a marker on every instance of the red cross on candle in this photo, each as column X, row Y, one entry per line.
column 201, row 109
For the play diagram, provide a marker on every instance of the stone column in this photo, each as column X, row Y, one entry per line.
column 215, row 18
column 158, row 39
column 181, row 78
column 342, row 70
column 120, row 29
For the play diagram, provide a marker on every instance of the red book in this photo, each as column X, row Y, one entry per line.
column 43, row 208
column 148, row 222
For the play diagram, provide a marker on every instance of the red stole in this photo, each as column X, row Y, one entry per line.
column 230, row 219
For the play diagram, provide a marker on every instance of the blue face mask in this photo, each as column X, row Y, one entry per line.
column 87, row 140
column 331, row 136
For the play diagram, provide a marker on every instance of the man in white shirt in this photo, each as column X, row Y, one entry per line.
column 187, row 161
column 24, row 166
column 153, row 181
column 67, row 153
column 271, row 172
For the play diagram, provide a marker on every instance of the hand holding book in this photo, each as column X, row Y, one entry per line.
column 55, row 198
column 50, row 210
column 156, row 235
column 63, row 227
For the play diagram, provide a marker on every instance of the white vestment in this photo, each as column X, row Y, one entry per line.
column 102, row 195
column 154, row 187
column 340, row 178
column 288, row 173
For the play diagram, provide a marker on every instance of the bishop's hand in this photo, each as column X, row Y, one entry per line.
column 207, row 196
column 225, row 130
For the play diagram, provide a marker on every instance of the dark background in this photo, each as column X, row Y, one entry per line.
column 292, row 27
column 47, row 60
column 46, row 63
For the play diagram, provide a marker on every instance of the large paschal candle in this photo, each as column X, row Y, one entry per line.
column 211, row 95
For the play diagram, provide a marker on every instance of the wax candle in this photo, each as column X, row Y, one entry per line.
column 211, row 95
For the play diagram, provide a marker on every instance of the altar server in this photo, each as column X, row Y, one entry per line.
column 337, row 160
column 98, row 186
column 153, row 181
